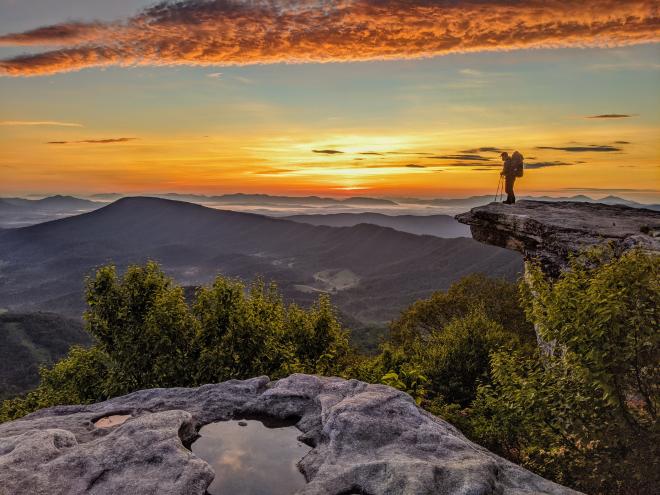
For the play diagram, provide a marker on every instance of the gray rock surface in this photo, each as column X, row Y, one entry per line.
column 367, row 439
column 549, row 232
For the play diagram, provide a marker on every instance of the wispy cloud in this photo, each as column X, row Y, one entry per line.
column 328, row 152
column 483, row 149
column 232, row 32
column 610, row 116
column 471, row 73
column 214, row 75
column 418, row 153
column 30, row 123
column 96, row 141
column 624, row 66
column 582, row 149
column 396, row 165
column 470, row 157
column 468, row 164
column 535, row 165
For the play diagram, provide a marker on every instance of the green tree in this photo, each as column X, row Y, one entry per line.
column 498, row 299
column 142, row 322
column 446, row 365
column 240, row 335
column 456, row 359
column 585, row 416
column 320, row 344
column 606, row 311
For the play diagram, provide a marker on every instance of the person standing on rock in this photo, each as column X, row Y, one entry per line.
column 512, row 168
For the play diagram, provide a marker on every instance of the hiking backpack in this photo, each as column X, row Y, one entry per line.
column 517, row 164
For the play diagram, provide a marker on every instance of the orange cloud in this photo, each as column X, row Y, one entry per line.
column 232, row 32
column 96, row 141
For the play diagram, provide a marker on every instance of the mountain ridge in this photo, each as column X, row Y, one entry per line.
column 45, row 264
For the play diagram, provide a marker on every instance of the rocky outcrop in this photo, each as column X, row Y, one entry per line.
column 366, row 439
column 549, row 232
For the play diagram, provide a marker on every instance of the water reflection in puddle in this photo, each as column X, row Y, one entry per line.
column 253, row 459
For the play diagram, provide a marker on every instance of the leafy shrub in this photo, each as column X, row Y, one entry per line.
column 76, row 379
column 144, row 325
column 585, row 416
column 496, row 298
column 148, row 336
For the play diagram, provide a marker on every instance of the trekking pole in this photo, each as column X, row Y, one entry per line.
column 497, row 193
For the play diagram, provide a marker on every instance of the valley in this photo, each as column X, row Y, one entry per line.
column 373, row 272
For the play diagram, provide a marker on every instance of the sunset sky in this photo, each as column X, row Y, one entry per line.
column 351, row 97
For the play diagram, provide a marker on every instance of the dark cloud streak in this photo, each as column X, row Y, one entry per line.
column 469, row 157
column 537, row 165
column 96, row 141
column 610, row 116
column 328, row 152
column 582, row 149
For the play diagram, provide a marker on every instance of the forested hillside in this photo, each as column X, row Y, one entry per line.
column 31, row 340
column 373, row 272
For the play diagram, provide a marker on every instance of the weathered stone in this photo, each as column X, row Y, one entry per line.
column 367, row 439
column 550, row 231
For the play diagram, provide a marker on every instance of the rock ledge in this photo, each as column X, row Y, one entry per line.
column 549, row 232
column 367, row 439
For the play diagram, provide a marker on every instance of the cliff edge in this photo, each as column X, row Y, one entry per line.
column 550, row 232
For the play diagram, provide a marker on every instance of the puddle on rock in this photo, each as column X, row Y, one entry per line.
column 250, row 457
column 111, row 421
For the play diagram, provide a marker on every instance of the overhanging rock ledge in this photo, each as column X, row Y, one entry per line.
column 550, row 231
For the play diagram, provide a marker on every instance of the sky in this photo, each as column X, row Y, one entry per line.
column 384, row 98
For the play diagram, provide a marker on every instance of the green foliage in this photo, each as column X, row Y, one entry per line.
column 143, row 324
column 148, row 336
column 76, row 379
column 320, row 344
column 31, row 340
column 497, row 298
column 456, row 358
column 439, row 349
column 606, row 311
column 585, row 416
column 239, row 334
column 445, row 365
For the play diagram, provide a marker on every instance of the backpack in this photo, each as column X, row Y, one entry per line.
column 517, row 164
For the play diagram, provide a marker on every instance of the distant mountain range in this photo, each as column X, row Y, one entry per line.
column 18, row 212
column 373, row 272
column 263, row 199
column 473, row 201
column 436, row 225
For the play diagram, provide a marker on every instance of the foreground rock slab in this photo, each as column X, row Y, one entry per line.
column 551, row 231
column 367, row 439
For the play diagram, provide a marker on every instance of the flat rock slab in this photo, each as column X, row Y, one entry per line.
column 551, row 231
column 366, row 439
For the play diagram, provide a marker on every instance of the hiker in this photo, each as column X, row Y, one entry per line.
column 512, row 168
